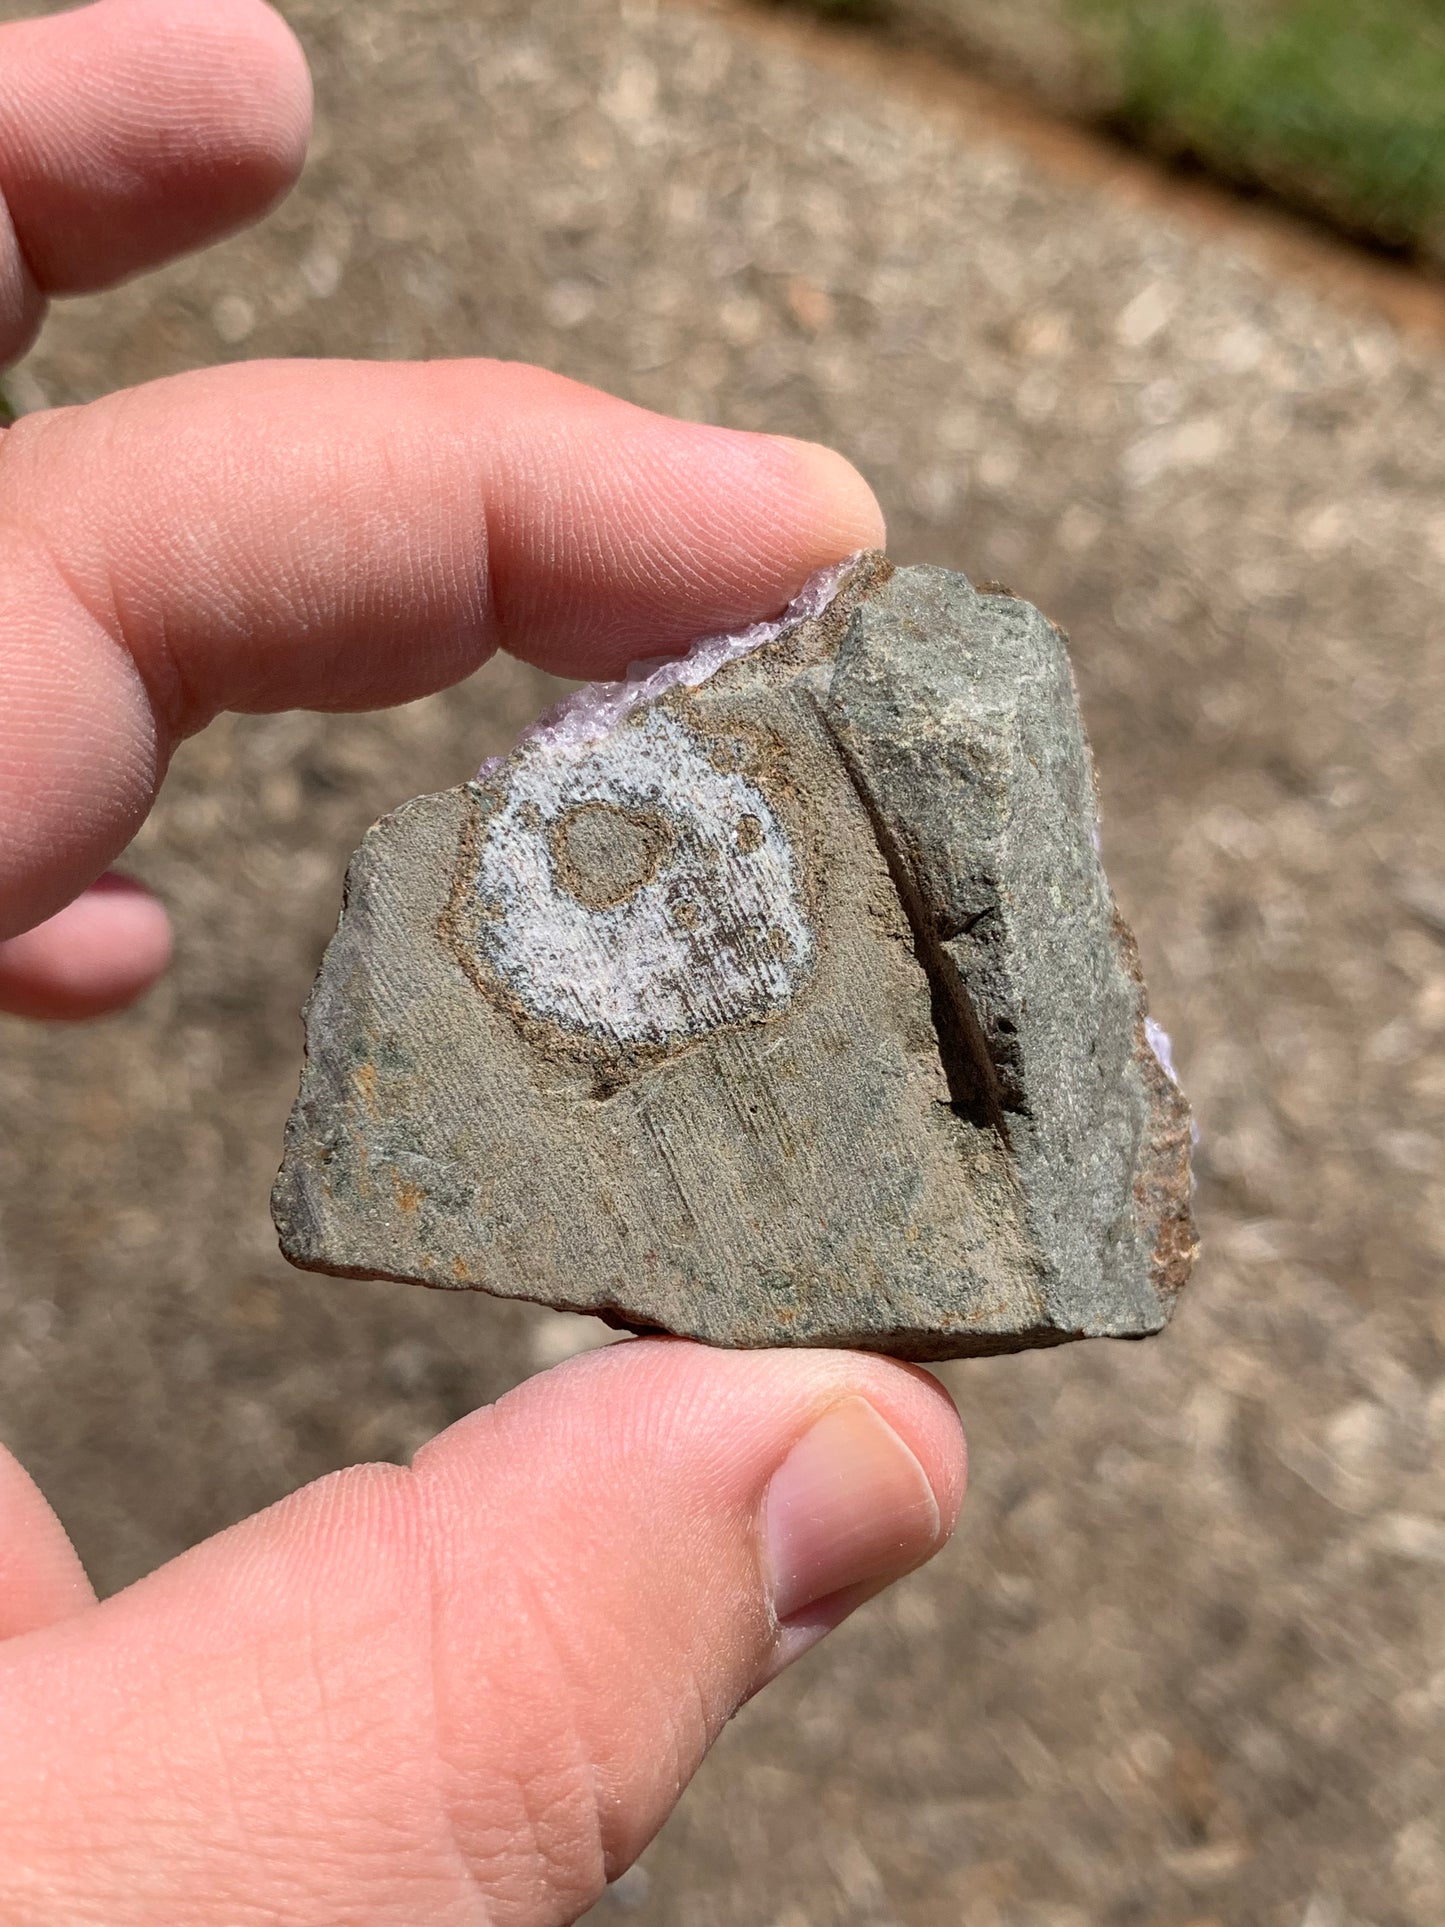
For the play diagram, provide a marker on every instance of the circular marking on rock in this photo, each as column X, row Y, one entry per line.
column 635, row 907
column 603, row 854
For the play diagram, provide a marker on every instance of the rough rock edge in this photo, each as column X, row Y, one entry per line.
column 1163, row 1183
column 595, row 710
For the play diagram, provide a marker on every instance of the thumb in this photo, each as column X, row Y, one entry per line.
column 469, row 1692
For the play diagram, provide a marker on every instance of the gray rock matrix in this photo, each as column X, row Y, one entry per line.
column 795, row 1010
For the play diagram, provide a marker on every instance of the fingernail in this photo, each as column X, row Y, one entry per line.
column 849, row 1509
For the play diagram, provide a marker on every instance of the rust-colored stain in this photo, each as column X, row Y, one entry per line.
column 408, row 1195
column 364, row 1077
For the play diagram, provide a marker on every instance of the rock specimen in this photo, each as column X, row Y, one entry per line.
column 776, row 997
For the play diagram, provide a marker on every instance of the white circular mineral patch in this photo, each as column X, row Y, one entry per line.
column 631, row 889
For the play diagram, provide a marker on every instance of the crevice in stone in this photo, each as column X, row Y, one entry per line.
column 975, row 1092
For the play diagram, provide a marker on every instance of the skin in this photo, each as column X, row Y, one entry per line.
column 468, row 1690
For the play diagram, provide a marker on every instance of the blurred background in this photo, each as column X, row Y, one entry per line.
column 1184, row 1665
column 1334, row 105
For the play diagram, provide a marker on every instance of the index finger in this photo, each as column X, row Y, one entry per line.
column 334, row 535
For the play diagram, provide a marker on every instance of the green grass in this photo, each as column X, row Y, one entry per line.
column 1339, row 103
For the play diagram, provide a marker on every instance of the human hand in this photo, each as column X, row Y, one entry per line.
column 469, row 1690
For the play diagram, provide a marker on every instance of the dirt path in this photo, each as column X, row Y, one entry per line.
column 1184, row 1666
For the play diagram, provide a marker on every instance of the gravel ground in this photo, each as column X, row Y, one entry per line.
column 1339, row 120
column 1183, row 1666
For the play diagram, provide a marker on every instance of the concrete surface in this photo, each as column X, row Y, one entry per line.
column 1183, row 1666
